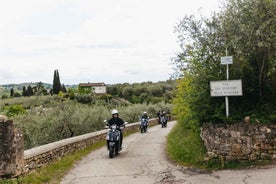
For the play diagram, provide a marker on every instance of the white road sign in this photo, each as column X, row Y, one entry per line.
column 226, row 88
column 226, row 60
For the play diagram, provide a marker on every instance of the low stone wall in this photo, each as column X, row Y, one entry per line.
column 241, row 141
column 38, row 156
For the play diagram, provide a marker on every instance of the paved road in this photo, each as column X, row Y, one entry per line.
column 143, row 161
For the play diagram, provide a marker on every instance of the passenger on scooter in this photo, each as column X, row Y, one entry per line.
column 118, row 121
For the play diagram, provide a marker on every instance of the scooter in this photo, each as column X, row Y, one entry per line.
column 113, row 139
column 144, row 125
column 163, row 121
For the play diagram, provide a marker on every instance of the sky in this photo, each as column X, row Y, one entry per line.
column 110, row 41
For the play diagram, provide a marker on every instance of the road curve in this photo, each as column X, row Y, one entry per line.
column 143, row 161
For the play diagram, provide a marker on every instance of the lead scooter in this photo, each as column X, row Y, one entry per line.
column 113, row 139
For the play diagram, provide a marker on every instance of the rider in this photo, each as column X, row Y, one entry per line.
column 164, row 114
column 145, row 116
column 118, row 121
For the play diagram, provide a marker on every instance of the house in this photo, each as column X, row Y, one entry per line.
column 98, row 88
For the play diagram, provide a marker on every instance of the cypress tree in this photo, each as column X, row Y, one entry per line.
column 64, row 89
column 12, row 92
column 30, row 91
column 56, row 83
column 25, row 92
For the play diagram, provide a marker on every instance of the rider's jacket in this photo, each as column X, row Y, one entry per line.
column 118, row 121
column 145, row 116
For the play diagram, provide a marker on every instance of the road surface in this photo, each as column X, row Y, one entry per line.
column 143, row 161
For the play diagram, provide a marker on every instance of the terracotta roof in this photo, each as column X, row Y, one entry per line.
column 92, row 84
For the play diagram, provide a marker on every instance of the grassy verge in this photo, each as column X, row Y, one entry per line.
column 186, row 148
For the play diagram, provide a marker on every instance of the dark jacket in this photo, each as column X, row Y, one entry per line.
column 118, row 121
column 145, row 116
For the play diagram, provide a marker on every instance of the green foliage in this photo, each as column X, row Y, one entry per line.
column 146, row 92
column 4, row 97
column 85, row 98
column 250, row 27
column 17, row 94
column 14, row 110
column 85, row 89
column 51, row 118
column 66, row 119
column 247, row 30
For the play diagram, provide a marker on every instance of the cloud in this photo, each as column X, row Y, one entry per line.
column 98, row 40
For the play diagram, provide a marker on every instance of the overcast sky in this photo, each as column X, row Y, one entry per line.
column 110, row 41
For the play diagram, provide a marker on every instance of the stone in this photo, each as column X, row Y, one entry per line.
column 247, row 119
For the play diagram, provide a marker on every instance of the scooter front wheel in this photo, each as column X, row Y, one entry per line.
column 111, row 151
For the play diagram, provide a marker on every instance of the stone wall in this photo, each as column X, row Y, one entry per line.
column 241, row 141
column 11, row 149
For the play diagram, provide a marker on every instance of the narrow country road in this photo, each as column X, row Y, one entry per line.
column 143, row 161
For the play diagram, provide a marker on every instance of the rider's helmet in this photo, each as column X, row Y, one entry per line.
column 114, row 111
column 145, row 113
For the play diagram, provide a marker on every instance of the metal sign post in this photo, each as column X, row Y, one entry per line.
column 226, row 61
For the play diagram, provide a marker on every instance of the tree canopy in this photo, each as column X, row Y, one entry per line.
column 244, row 29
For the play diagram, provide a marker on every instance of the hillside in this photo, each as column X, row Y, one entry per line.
column 5, row 88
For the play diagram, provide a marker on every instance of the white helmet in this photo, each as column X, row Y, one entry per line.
column 114, row 111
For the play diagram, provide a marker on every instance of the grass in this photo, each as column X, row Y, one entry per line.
column 185, row 146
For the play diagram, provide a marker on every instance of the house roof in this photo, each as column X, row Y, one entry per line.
column 92, row 84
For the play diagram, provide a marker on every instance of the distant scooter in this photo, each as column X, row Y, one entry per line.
column 164, row 121
column 144, row 124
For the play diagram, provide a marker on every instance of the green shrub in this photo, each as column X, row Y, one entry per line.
column 4, row 96
column 84, row 98
column 14, row 110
